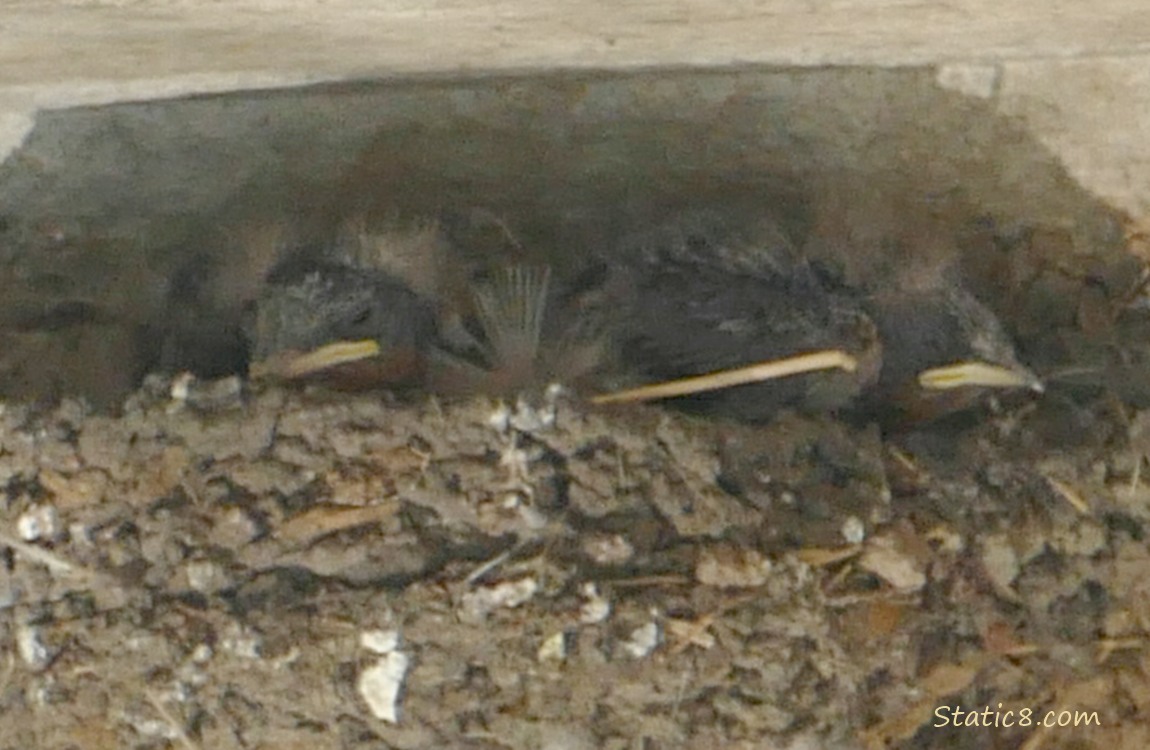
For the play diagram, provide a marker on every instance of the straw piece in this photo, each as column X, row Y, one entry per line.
column 827, row 359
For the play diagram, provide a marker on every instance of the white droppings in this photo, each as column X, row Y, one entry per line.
column 181, row 387
column 40, row 522
column 242, row 641
column 380, row 683
column 595, row 609
column 500, row 419
column 528, row 418
column 179, row 391
column 379, row 641
column 477, row 604
column 642, row 641
column 150, row 727
column 608, row 549
column 31, row 649
column 853, row 530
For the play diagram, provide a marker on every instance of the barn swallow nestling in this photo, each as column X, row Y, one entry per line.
column 352, row 325
column 731, row 319
column 944, row 352
column 706, row 298
column 361, row 310
column 916, row 347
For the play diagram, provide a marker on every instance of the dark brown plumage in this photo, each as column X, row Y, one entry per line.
column 944, row 352
column 691, row 297
column 311, row 317
column 355, row 326
column 704, row 297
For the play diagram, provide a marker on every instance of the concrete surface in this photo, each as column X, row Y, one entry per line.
column 1047, row 58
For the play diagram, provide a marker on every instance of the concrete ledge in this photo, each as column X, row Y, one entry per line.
column 57, row 55
column 250, row 44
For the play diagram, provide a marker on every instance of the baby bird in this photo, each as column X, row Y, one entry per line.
column 351, row 327
column 354, row 325
column 944, row 352
column 692, row 308
column 705, row 297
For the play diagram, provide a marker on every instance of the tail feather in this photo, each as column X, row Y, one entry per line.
column 511, row 310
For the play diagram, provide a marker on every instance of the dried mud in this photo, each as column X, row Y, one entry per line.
column 218, row 568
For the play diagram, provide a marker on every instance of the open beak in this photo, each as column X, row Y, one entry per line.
column 829, row 359
column 978, row 375
column 292, row 365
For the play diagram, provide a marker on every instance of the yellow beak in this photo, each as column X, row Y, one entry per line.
column 979, row 375
column 291, row 365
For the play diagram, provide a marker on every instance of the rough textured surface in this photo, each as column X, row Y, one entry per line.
column 312, row 570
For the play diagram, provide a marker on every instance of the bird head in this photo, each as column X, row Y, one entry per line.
column 319, row 319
